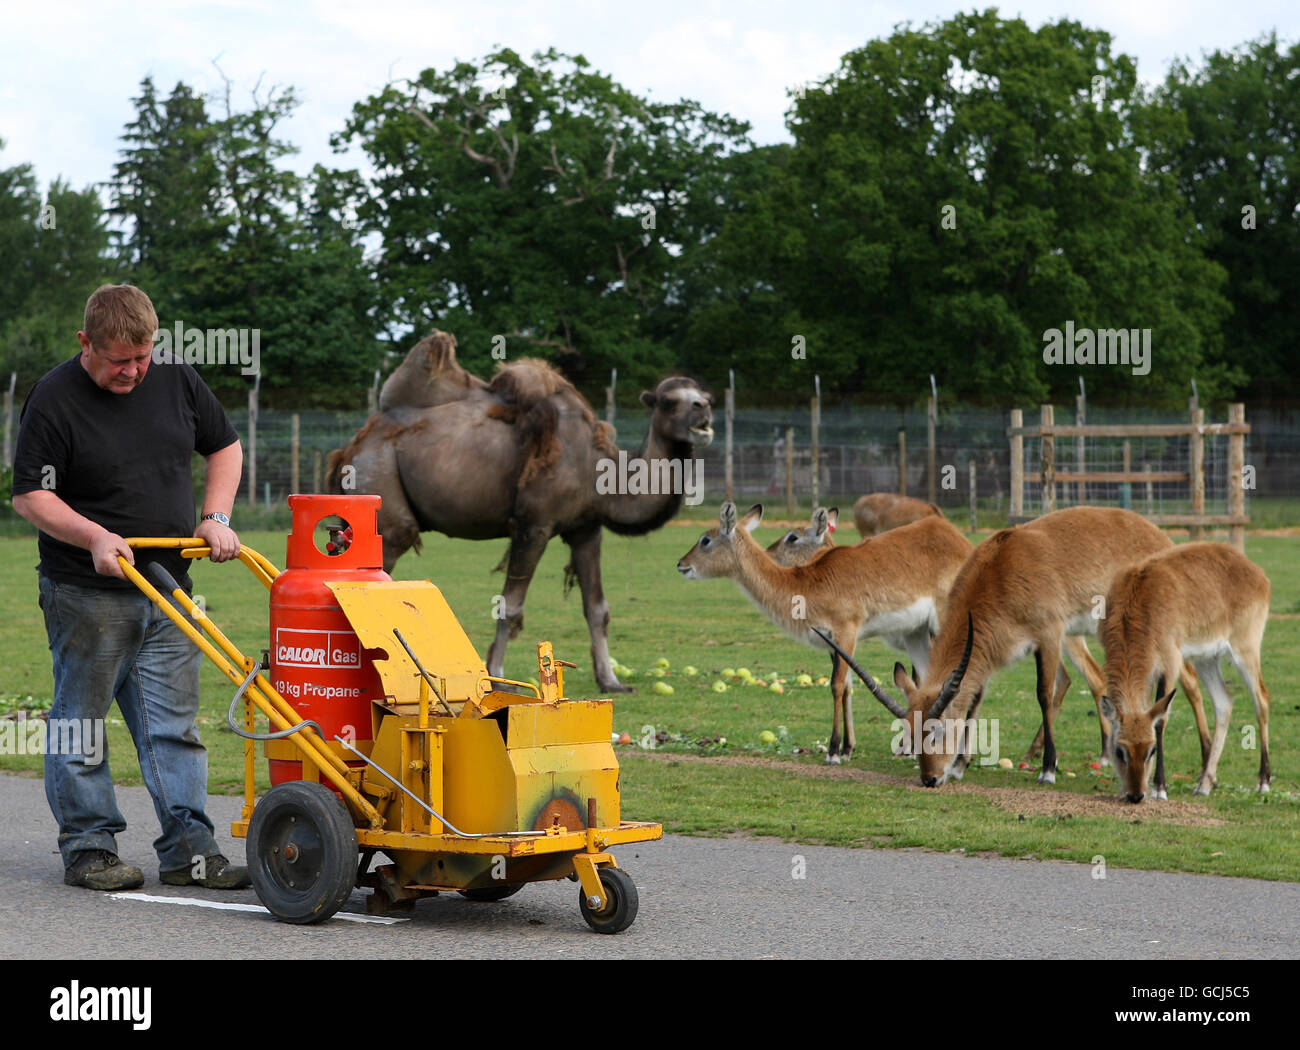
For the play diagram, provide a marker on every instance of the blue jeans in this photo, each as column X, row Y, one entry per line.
column 112, row 643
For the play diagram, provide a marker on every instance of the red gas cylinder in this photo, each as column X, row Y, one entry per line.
column 317, row 663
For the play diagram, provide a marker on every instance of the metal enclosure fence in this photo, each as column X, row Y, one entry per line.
column 859, row 452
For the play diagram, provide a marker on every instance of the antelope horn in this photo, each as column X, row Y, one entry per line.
column 951, row 686
column 890, row 703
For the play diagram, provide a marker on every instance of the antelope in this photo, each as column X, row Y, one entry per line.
column 1200, row 601
column 893, row 587
column 800, row 545
column 1020, row 592
column 878, row 512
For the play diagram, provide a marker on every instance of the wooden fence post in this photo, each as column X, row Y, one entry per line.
column 815, row 459
column 1080, row 417
column 1047, row 460
column 729, row 412
column 316, row 480
column 252, row 440
column 1236, row 473
column 293, row 454
column 1150, row 491
column 1017, row 501
column 972, row 497
column 610, row 397
column 789, row 472
column 1196, row 466
column 931, row 419
column 1126, row 487
column 902, row 461
column 9, row 420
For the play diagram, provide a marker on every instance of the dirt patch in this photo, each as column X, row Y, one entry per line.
column 1038, row 802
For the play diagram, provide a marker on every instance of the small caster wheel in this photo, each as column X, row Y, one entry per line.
column 302, row 852
column 620, row 904
column 492, row 893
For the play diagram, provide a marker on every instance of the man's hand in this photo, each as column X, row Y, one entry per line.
column 105, row 548
column 221, row 538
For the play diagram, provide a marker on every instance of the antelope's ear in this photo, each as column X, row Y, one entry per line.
column 903, row 680
column 752, row 517
column 820, row 520
column 1160, row 709
column 1108, row 711
column 648, row 399
column 727, row 518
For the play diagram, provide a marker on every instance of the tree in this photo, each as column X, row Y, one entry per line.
column 54, row 247
column 954, row 193
column 537, row 207
column 1226, row 135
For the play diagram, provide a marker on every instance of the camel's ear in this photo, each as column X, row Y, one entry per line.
column 709, row 398
column 648, row 399
column 820, row 521
column 727, row 518
column 833, row 518
column 752, row 517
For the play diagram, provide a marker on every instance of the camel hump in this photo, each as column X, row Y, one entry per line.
column 528, row 382
column 429, row 376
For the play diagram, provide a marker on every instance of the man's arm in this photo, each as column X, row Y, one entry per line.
column 52, row 516
column 222, row 471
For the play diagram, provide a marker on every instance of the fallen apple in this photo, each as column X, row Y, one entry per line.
column 663, row 688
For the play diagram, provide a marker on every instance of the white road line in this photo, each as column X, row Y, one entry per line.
column 195, row 902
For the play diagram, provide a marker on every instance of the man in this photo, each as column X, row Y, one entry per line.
column 103, row 452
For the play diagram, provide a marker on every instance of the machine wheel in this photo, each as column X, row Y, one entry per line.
column 493, row 893
column 302, row 852
column 620, row 906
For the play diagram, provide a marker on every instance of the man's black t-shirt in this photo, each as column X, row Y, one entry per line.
column 121, row 460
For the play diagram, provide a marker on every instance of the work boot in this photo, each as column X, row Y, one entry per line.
column 98, row 869
column 218, row 874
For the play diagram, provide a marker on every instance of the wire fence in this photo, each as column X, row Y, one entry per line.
column 859, row 452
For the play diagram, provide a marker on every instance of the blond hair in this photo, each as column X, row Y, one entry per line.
column 120, row 312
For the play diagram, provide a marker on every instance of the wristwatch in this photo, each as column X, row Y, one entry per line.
column 218, row 517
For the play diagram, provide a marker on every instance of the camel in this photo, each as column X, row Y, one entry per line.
column 521, row 457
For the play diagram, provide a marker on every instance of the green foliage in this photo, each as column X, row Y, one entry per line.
column 1224, row 135
column 953, row 193
column 52, row 245
column 222, row 236
column 539, row 201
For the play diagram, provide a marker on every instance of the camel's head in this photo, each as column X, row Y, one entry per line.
column 682, row 411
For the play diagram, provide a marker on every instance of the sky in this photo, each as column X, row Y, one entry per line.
column 69, row 68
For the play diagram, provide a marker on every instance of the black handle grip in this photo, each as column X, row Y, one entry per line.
column 163, row 578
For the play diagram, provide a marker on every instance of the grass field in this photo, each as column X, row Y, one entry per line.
column 693, row 783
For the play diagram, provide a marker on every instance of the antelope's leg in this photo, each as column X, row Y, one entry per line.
column 965, row 749
column 842, row 743
column 1076, row 648
column 1048, row 658
column 1187, row 677
column 1248, row 667
column 1159, row 789
column 1211, row 677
